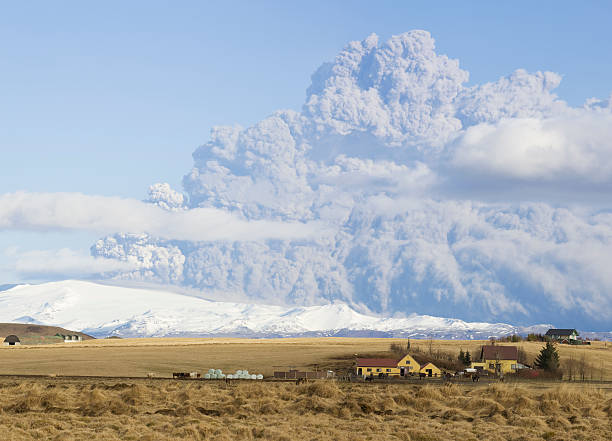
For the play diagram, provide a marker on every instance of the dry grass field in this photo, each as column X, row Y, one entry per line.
column 137, row 357
column 62, row 408
column 69, row 409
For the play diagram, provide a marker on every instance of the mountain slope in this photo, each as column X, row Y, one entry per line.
column 102, row 310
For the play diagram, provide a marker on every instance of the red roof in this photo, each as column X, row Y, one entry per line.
column 495, row 352
column 377, row 362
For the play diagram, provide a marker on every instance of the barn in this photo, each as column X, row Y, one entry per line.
column 12, row 340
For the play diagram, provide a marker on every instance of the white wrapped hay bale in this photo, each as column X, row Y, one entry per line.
column 259, row 377
column 218, row 372
column 207, row 376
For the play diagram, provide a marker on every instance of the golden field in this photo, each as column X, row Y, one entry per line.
column 162, row 356
column 63, row 408
column 88, row 409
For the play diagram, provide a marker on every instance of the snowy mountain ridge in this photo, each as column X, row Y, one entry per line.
column 101, row 310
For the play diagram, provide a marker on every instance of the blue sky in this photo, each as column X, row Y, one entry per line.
column 109, row 98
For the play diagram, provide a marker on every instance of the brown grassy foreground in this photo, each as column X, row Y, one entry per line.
column 63, row 409
column 137, row 357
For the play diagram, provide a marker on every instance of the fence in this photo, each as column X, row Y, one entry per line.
column 295, row 374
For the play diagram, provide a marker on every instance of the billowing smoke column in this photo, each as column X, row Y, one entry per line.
column 440, row 198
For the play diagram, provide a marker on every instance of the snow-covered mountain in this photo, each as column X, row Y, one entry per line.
column 101, row 310
column 482, row 202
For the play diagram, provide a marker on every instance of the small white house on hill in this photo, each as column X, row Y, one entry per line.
column 562, row 334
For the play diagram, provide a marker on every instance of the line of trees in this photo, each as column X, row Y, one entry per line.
column 515, row 338
column 580, row 369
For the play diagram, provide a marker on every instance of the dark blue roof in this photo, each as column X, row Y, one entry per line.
column 561, row 332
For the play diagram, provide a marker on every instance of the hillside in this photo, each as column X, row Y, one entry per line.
column 35, row 333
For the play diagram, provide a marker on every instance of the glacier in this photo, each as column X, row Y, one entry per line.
column 482, row 202
column 103, row 310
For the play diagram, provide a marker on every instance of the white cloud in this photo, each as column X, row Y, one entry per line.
column 564, row 149
column 63, row 263
column 75, row 211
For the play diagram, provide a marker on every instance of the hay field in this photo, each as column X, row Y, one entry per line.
column 66, row 410
column 162, row 356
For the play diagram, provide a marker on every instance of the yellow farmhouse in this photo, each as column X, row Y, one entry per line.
column 390, row 367
column 498, row 359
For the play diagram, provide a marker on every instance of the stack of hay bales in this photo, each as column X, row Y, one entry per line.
column 217, row 374
column 214, row 374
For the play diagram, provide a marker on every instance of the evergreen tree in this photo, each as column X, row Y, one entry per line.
column 464, row 357
column 548, row 359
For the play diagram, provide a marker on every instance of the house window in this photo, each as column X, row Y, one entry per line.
column 388, row 370
column 409, row 368
column 378, row 370
column 369, row 369
column 408, row 362
column 513, row 366
column 491, row 365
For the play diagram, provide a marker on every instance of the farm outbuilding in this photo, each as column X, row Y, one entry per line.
column 70, row 338
column 430, row 370
column 12, row 340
